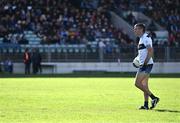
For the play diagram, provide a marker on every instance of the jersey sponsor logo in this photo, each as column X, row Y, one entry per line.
column 141, row 46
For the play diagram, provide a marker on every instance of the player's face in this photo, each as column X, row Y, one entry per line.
column 137, row 31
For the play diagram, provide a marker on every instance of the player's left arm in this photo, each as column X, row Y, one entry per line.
column 149, row 54
column 149, row 47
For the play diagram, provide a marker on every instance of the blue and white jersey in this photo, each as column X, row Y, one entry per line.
column 144, row 42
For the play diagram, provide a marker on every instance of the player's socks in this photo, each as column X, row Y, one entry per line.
column 152, row 96
column 146, row 103
column 145, row 107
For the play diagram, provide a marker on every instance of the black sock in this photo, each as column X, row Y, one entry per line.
column 152, row 96
column 146, row 103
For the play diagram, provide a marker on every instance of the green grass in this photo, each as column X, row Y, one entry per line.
column 86, row 100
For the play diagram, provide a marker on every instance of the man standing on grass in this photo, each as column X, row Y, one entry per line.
column 27, row 61
column 145, row 53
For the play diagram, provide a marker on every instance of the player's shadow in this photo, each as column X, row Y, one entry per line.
column 167, row 110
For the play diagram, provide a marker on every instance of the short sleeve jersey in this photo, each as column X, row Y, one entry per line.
column 144, row 42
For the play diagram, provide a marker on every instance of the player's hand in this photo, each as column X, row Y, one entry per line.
column 145, row 64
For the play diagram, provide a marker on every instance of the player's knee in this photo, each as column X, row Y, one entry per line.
column 143, row 84
column 136, row 84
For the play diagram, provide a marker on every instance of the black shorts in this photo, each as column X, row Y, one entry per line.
column 146, row 69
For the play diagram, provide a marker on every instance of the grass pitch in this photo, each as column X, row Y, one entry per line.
column 86, row 100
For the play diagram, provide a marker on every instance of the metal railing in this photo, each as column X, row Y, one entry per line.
column 124, row 54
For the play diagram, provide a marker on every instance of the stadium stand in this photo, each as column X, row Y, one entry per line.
column 67, row 29
column 55, row 22
column 166, row 13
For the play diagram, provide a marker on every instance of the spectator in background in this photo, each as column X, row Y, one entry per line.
column 8, row 66
column 39, row 62
column 67, row 22
column 172, row 39
column 109, row 47
column 101, row 50
column 27, row 61
column 152, row 26
column 36, row 61
column 131, row 18
column 178, row 39
column 6, row 39
column 152, row 34
column 22, row 40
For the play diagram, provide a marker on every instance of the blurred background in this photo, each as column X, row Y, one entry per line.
column 86, row 35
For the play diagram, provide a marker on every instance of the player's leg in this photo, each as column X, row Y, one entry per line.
column 141, row 83
column 155, row 99
column 140, row 76
column 145, row 84
column 138, row 80
column 146, row 96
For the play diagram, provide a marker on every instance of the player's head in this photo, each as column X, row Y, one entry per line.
column 139, row 29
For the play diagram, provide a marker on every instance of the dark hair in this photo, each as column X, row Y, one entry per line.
column 142, row 26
